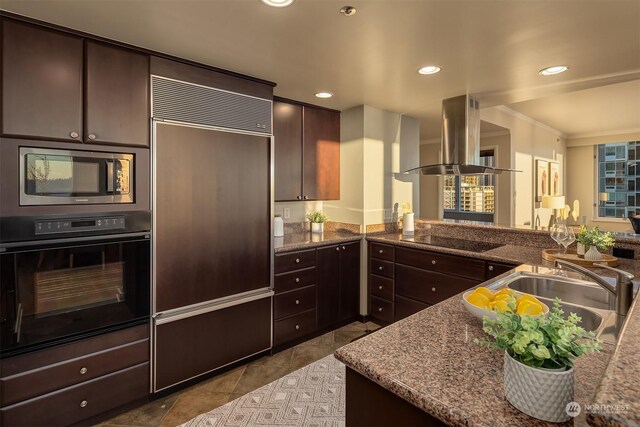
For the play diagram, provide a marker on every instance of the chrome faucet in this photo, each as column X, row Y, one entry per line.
column 622, row 292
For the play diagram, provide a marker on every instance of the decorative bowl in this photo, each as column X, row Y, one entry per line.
column 481, row 312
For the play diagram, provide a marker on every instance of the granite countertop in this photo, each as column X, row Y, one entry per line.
column 306, row 240
column 430, row 360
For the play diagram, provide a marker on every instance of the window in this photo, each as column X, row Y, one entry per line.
column 618, row 179
column 471, row 197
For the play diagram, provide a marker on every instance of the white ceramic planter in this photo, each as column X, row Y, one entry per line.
column 592, row 254
column 540, row 393
column 317, row 227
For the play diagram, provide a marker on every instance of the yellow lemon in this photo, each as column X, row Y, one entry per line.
column 500, row 306
column 527, row 297
column 504, row 297
column 529, row 307
column 478, row 300
column 484, row 291
column 505, row 291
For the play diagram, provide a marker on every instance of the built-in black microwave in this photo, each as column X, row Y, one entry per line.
column 74, row 177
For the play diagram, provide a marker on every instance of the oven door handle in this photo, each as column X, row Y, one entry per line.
column 110, row 176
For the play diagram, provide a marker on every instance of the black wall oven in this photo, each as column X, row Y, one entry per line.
column 67, row 290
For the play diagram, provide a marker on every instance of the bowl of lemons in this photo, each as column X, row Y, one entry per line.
column 484, row 302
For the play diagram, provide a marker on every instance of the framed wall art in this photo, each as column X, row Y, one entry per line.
column 554, row 179
column 542, row 179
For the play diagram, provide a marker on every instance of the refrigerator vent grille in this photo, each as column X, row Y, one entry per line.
column 191, row 103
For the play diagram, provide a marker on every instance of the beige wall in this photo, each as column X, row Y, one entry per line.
column 430, row 185
column 529, row 141
column 581, row 178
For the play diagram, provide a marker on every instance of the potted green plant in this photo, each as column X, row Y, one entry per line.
column 538, row 359
column 317, row 220
column 592, row 240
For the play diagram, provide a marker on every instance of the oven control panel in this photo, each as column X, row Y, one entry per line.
column 83, row 224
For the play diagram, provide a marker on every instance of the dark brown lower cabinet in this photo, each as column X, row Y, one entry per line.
column 195, row 345
column 405, row 307
column 370, row 405
column 338, row 283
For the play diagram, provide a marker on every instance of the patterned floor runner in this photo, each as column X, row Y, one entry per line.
column 311, row 396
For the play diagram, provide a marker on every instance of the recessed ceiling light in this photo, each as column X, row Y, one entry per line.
column 552, row 71
column 430, row 69
column 278, row 3
column 324, row 94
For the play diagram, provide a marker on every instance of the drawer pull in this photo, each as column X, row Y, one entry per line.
column 380, row 268
column 83, row 370
column 297, row 327
column 433, row 261
column 297, row 260
column 344, row 248
column 337, row 248
column 73, row 134
column 380, row 251
column 297, row 280
column 433, row 289
column 297, row 302
column 379, row 308
column 83, row 403
column 491, row 268
column 92, row 136
column 380, row 287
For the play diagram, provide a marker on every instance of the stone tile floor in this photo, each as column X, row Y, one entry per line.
column 185, row 404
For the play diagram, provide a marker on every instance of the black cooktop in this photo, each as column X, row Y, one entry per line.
column 448, row 242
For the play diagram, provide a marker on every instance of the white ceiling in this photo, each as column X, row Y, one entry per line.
column 492, row 49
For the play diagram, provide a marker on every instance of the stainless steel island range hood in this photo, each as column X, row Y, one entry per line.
column 460, row 154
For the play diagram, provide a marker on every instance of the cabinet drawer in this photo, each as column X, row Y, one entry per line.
column 381, row 286
column 427, row 286
column 381, row 268
column 405, row 307
column 382, row 309
column 43, row 380
column 76, row 403
column 497, row 268
column 294, row 302
column 294, row 280
column 294, row 327
column 442, row 263
column 380, row 251
column 294, row 261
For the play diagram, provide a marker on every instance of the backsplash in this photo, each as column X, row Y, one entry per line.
column 297, row 210
column 329, row 226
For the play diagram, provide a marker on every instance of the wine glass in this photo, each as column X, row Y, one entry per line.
column 568, row 238
column 558, row 232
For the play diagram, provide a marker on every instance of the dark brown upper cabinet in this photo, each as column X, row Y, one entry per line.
column 41, row 82
column 58, row 86
column 307, row 152
column 117, row 95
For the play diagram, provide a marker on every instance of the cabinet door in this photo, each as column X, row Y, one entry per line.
column 117, row 95
column 287, row 132
column 321, row 154
column 349, row 280
column 41, row 83
column 328, row 285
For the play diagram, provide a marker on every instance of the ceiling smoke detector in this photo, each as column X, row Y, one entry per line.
column 348, row 11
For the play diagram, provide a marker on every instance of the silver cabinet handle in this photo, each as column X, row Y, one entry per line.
column 344, row 249
column 305, row 197
column 380, row 287
column 83, row 403
column 380, row 251
column 433, row 261
column 379, row 308
column 297, row 280
column 83, row 370
column 297, row 327
column 433, row 289
column 380, row 268
column 73, row 134
column 491, row 268
column 92, row 136
column 297, row 260
column 297, row 302
column 337, row 248
column 298, row 197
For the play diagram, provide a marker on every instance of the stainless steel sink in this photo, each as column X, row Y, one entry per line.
column 568, row 290
column 591, row 320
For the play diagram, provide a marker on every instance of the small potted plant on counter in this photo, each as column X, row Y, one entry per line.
column 317, row 220
column 538, row 359
column 592, row 240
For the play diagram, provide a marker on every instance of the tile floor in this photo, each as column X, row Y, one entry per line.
column 185, row 404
